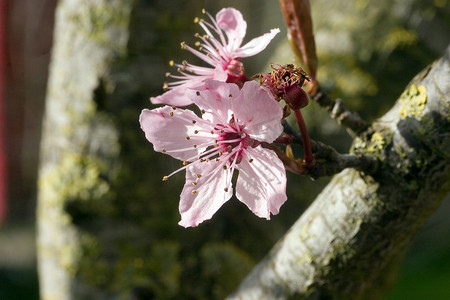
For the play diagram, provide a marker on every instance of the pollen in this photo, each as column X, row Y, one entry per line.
column 174, row 108
column 203, row 11
column 203, row 111
column 194, row 192
column 185, row 163
column 196, row 20
column 165, row 178
column 197, row 44
column 171, row 63
column 188, row 138
column 193, row 121
column 196, row 132
column 197, row 93
column 168, row 74
column 194, row 182
column 251, row 160
column 171, row 114
column 165, row 86
column 199, row 175
column 212, row 132
column 226, row 190
column 164, row 151
column 224, row 167
column 195, row 146
column 183, row 45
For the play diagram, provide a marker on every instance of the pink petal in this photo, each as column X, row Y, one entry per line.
column 214, row 98
column 261, row 184
column 256, row 45
column 259, row 111
column 231, row 21
column 199, row 202
column 168, row 133
column 175, row 96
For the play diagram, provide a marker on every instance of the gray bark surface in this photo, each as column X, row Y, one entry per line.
column 348, row 241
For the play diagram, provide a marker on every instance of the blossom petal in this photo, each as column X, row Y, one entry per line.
column 256, row 45
column 232, row 22
column 261, row 184
column 214, row 98
column 259, row 111
column 175, row 96
column 203, row 195
column 168, row 128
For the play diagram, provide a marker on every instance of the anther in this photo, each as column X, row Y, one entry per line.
column 251, row 160
column 165, row 178
column 193, row 121
column 203, row 11
column 229, row 148
column 230, row 95
column 171, row 63
column 165, row 86
column 195, row 146
column 163, row 151
column 183, row 45
column 168, row 74
column 196, row 132
column 226, row 190
column 196, row 20
column 212, row 132
column 197, row 93
column 171, row 114
column 194, row 182
column 197, row 44
column 199, row 175
column 188, row 138
column 203, row 111
column 194, row 192
column 224, row 167
column 185, row 163
column 174, row 108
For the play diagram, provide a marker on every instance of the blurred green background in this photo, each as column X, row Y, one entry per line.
column 368, row 51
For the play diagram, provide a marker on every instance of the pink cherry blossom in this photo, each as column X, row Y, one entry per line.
column 229, row 135
column 220, row 48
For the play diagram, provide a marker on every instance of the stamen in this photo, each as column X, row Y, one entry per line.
column 197, row 93
column 224, row 167
column 197, row 44
column 168, row 74
column 185, row 163
column 196, row 20
column 165, row 178
column 194, row 192
column 194, row 182
column 226, row 190
column 251, row 160
column 199, row 175
column 188, row 138
column 196, row 132
column 164, row 151
column 171, row 113
column 165, row 86
column 183, row 45
column 171, row 63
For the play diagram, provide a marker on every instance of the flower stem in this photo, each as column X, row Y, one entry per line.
column 309, row 158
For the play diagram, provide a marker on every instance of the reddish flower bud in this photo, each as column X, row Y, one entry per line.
column 286, row 82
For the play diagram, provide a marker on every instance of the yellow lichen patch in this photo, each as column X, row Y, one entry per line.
column 413, row 101
column 376, row 142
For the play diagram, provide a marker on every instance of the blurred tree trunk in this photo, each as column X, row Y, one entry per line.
column 79, row 150
column 349, row 241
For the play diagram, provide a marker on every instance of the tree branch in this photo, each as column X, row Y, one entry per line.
column 328, row 161
column 340, row 112
column 360, row 225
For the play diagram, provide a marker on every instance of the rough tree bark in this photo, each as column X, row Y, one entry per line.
column 348, row 241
